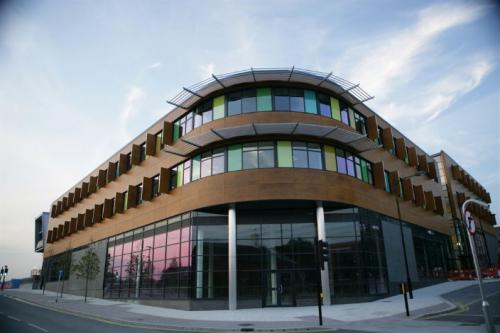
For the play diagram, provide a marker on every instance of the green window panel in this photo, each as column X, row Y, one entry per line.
column 285, row 154
column 219, row 107
column 234, row 158
column 125, row 201
column 334, row 103
column 196, row 164
column 352, row 121
column 177, row 130
column 310, row 101
column 364, row 171
column 264, row 100
column 180, row 175
column 330, row 160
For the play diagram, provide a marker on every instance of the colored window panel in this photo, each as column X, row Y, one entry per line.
column 264, row 101
column 177, row 130
column 299, row 153
column 196, row 167
column 281, row 99
column 125, row 201
column 218, row 161
column 297, row 100
column 218, row 111
column 330, row 161
column 334, row 103
column 310, row 97
column 180, row 174
column 250, row 159
column 234, row 158
column 364, row 171
column 352, row 121
column 284, row 154
column 234, row 104
column 248, row 101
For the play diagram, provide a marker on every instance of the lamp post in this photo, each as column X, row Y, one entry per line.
column 490, row 328
column 403, row 243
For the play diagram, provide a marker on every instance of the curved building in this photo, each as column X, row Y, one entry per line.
column 219, row 204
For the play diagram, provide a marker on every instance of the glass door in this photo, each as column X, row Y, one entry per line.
column 279, row 289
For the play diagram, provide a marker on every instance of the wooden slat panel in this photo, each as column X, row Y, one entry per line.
column 488, row 197
column 59, row 207
column 455, row 173
column 78, row 195
column 432, row 170
column 147, row 189
column 123, row 163
column 49, row 236
column 120, row 200
column 80, row 225
column 462, row 177
column 429, row 201
column 132, row 196
column 422, row 163
column 53, row 211
column 85, row 190
column 419, row 195
column 394, row 180
column 136, row 154
column 407, row 189
column 108, row 208
column 92, row 184
column 65, row 205
column 89, row 216
column 74, row 225
column 66, row 228
column 71, row 199
column 60, row 231
column 150, row 144
column 400, row 148
column 387, row 139
column 55, row 234
column 98, row 213
column 372, row 127
column 102, row 178
column 167, row 133
column 164, row 180
column 439, row 205
column 112, row 171
column 412, row 156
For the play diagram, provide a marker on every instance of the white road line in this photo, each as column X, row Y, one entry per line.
column 37, row 327
column 13, row 318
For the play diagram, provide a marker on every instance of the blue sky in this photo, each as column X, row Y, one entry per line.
column 81, row 78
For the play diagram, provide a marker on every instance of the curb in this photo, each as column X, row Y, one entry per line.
column 165, row 327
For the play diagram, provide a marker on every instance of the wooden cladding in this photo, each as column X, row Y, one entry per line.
column 89, row 215
column 147, row 189
column 65, row 203
column 394, row 181
column 372, row 127
column 85, row 190
column 431, row 166
column 71, row 199
column 112, row 171
column 59, row 207
column 387, row 139
column 455, row 172
column 167, row 132
column 419, row 195
column 412, row 156
column 92, row 184
column 60, row 231
column 400, row 148
column 439, row 205
column 55, row 235
column 407, row 189
column 49, row 237
column 53, row 211
column 165, row 180
column 98, row 213
column 66, row 231
column 132, row 196
column 136, row 154
column 78, row 195
column 422, row 163
column 123, row 163
column 80, row 224
column 378, row 175
column 74, row 225
column 429, row 201
column 150, row 144
column 102, row 178
column 120, row 200
column 108, row 208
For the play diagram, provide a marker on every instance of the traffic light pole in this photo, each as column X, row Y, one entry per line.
column 318, row 281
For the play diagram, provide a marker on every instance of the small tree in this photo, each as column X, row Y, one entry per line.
column 87, row 268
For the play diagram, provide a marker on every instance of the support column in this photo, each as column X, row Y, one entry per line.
column 325, row 281
column 231, row 228
column 199, row 264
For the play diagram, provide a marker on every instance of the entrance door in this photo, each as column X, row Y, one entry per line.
column 279, row 289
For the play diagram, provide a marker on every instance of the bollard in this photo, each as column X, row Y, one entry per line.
column 404, row 291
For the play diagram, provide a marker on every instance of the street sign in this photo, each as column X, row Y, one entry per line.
column 469, row 223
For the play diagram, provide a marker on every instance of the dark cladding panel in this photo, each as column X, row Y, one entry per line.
column 81, row 222
column 167, row 133
column 123, row 163
column 422, row 163
column 89, row 215
column 439, row 205
column 74, row 225
column 372, row 127
column 165, row 180
column 147, row 192
column 112, row 171
column 120, row 200
column 400, row 148
column 85, row 190
column 108, row 208
column 412, row 156
column 92, row 184
column 150, row 144
column 407, row 189
column 102, row 178
column 136, row 154
column 132, row 196
column 387, row 139
column 394, row 180
column 98, row 213
column 419, row 195
column 429, row 201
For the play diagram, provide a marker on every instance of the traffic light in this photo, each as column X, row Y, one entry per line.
column 323, row 253
column 1, row 272
column 6, row 270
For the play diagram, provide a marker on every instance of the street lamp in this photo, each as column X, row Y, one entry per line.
column 408, row 279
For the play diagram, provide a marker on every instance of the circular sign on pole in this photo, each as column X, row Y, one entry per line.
column 469, row 223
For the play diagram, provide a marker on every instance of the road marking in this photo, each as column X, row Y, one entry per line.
column 37, row 327
column 13, row 318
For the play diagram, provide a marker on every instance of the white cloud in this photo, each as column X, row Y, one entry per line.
column 383, row 63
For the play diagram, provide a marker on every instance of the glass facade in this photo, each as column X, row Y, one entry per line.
column 281, row 99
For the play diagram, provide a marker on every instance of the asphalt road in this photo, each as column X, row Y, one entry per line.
column 469, row 299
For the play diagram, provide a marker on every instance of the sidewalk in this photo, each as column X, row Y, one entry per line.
column 426, row 301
